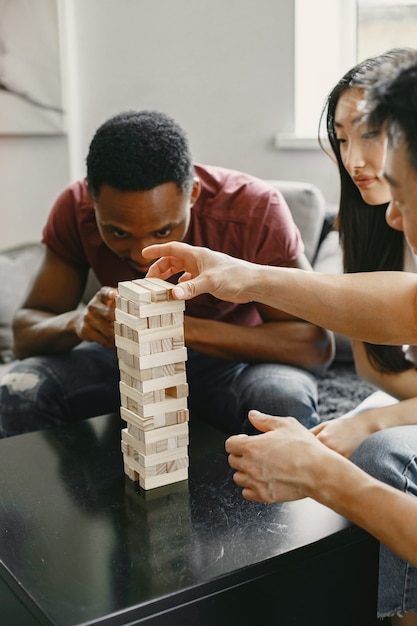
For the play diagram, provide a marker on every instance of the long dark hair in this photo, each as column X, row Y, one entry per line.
column 368, row 242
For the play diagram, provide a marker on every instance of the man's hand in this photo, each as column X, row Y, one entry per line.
column 204, row 271
column 278, row 465
column 96, row 320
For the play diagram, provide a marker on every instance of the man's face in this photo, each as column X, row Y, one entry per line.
column 402, row 210
column 129, row 221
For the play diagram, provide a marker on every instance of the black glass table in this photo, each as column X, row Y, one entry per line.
column 82, row 544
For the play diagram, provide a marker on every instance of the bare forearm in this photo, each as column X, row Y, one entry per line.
column 37, row 332
column 399, row 414
column 378, row 307
column 292, row 342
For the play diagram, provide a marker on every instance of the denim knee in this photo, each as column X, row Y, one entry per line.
column 21, row 402
column 279, row 390
column 390, row 456
column 48, row 391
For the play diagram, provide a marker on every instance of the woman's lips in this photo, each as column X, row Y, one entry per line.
column 364, row 181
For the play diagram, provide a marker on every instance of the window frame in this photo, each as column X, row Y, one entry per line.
column 311, row 55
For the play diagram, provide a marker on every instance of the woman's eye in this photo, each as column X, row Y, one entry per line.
column 340, row 140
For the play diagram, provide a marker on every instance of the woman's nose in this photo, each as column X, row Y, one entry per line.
column 354, row 158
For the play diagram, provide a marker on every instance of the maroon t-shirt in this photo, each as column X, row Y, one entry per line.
column 235, row 213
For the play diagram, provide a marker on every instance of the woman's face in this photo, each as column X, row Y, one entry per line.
column 362, row 151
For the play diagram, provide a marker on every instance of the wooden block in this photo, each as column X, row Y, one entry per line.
column 178, row 391
column 182, row 416
column 130, row 446
column 144, row 423
column 134, row 292
column 161, row 283
column 167, row 467
column 160, row 333
column 133, row 308
column 141, row 348
column 129, row 376
column 153, row 482
column 130, row 363
column 128, row 359
column 153, row 422
column 121, row 304
column 125, row 331
column 155, row 396
column 159, row 467
column 122, row 316
column 160, row 308
column 147, row 361
column 148, row 442
column 160, row 289
column 154, row 321
column 130, row 472
column 140, row 404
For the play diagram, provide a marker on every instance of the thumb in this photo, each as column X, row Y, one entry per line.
column 108, row 294
column 262, row 421
column 187, row 289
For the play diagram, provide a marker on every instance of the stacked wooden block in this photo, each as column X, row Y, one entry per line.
column 149, row 335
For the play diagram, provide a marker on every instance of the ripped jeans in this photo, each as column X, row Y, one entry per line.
column 47, row 391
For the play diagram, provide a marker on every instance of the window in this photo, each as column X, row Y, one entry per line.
column 330, row 37
column 384, row 24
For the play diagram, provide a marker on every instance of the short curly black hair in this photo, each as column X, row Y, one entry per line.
column 137, row 151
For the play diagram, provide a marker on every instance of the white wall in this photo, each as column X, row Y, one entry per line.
column 222, row 68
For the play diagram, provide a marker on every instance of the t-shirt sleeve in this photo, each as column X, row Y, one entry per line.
column 61, row 231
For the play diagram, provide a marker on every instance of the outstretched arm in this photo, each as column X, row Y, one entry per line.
column 379, row 307
column 280, row 338
column 287, row 462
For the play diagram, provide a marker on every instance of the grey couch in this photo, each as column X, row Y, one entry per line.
column 19, row 264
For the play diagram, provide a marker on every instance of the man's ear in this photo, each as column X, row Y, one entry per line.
column 89, row 190
column 195, row 191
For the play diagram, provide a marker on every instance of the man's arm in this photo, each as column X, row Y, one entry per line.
column 294, row 343
column 287, row 463
column 379, row 307
column 281, row 338
column 49, row 321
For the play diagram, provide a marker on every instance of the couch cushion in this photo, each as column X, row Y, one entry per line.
column 308, row 209
column 17, row 269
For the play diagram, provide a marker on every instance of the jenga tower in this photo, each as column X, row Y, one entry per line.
column 149, row 334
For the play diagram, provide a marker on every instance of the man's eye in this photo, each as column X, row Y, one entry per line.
column 119, row 234
column 370, row 134
column 164, row 232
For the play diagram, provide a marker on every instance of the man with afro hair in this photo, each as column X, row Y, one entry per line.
column 141, row 188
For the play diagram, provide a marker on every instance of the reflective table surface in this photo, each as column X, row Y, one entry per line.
column 81, row 544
